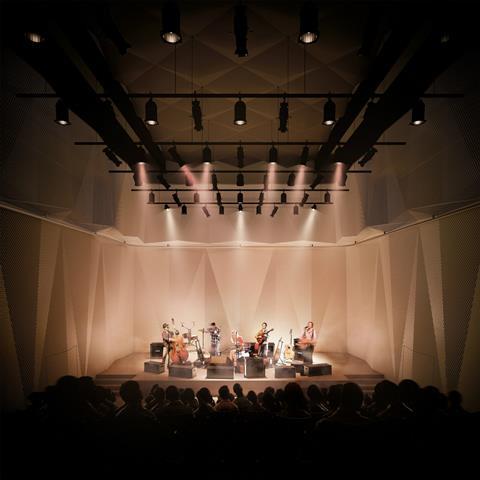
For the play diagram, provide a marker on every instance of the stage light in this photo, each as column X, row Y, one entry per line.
column 240, row 157
column 265, row 182
column 112, row 157
column 240, row 207
column 308, row 23
column 171, row 23
column 35, row 37
column 176, row 156
column 214, row 181
column 197, row 115
column 273, row 155
column 283, row 116
column 188, row 181
column 151, row 198
column 295, row 210
column 260, row 198
column 177, row 199
column 139, row 174
column 61, row 113
column 207, row 155
column 205, row 211
column 274, row 211
column 368, row 156
column 240, row 180
column 221, row 210
column 196, row 198
column 304, row 199
column 240, row 117
column 314, row 206
column 151, row 113
column 327, row 197
column 340, row 174
column 283, row 198
column 163, row 181
column 184, row 209
column 240, row 197
column 219, row 198
column 259, row 209
column 329, row 113
column 291, row 180
column 304, row 155
column 318, row 179
column 418, row 113
column 240, row 28
column 166, row 207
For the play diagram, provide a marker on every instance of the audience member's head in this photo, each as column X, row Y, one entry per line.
column 237, row 388
column 224, row 393
column 455, row 399
column 294, row 397
column 409, row 392
column 352, row 397
column 204, row 396
column 252, row 396
column 314, row 393
column 130, row 392
column 188, row 397
column 385, row 392
column 334, row 395
column 172, row 394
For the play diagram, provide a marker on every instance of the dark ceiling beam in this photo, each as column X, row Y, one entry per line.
column 225, row 143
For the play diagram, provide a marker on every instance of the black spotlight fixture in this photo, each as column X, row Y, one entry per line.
column 240, row 28
column 166, row 207
column 240, row 207
column 184, row 209
column 418, row 113
column 317, row 180
column 197, row 115
column 283, row 198
column 138, row 173
column 240, row 117
column 240, row 157
column 304, row 155
column 273, row 155
column 219, row 198
column 214, row 181
column 329, row 113
column 240, row 197
column 221, row 210
column 265, row 182
column 283, row 116
column 176, row 156
column 295, row 210
column 151, row 113
column 176, row 199
column 207, row 155
column 260, row 198
column 171, row 23
column 112, row 157
column 308, row 23
column 205, row 211
column 327, row 197
column 151, row 198
column 368, row 156
column 196, row 198
column 274, row 211
column 163, row 181
column 61, row 113
column 240, row 180
column 314, row 206
column 291, row 180
column 259, row 209
column 304, row 199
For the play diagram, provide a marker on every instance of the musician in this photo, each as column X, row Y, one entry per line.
column 262, row 336
column 308, row 341
column 167, row 336
column 214, row 332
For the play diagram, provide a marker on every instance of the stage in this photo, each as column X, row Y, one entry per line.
column 345, row 368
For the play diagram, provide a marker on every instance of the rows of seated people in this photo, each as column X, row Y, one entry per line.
column 175, row 427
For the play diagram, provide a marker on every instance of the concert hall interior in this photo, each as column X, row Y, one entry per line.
column 230, row 219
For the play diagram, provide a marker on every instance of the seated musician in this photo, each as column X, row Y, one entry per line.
column 308, row 341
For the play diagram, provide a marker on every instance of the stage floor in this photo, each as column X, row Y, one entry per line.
column 345, row 368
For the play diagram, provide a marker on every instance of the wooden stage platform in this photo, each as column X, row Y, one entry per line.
column 345, row 368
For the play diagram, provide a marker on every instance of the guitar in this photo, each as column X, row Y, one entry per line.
column 261, row 337
column 278, row 351
column 289, row 353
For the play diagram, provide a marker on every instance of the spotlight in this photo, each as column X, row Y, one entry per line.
column 240, row 156
column 221, row 210
column 184, row 209
column 35, row 37
column 368, row 156
column 188, row 181
column 273, row 155
column 308, row 23
column 196, row 198
column 163, row 181
column 329, row 112
column 176, row 199
column 61, row 113
column 304, row 155
column 295, row 210
column 240, row 113
column 418, row 113
column 283, row 198
column 207, row 155
column 314, row 206
column 291, row 180
column 138, row 173
column 274, row 211
column 259, row 209
column 166, row 207
column 151, row 113
column 304, row 199
column 171, row 23
column 283, row 116
column 240, row 180
column 318, row 179
column 340, row 174
column 151, row 198
column 112, row 157
column 260, row 198
column 197, row 115
column 240, row 28
column 205, row 211
column 176, row 156
column 219, row 198
column 326, row 197
column 240, row 197
column 214, row 181
column 265, row 182
column 240, row 207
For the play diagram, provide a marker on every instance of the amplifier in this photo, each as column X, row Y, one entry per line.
column 285, row 372
column 318, row 369
column 156, row 350
column 299, row 366
column 254, row 367
column 154, row 367
column 182, row 371
column 220, row 371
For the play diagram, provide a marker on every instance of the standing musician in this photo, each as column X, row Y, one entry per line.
column 308, row 341
column 167, row 336
column 262, row 337
column 214, row 332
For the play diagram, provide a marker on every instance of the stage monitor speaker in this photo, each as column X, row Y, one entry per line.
column 182, row 371
column 299, row 366
column 154, row 367
column 285, row 372
column 156, row 350
column 220, row 360
column 254, row 367
column 220, row 371
column 317, row 369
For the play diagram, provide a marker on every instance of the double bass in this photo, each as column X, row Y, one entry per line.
column 177, row 349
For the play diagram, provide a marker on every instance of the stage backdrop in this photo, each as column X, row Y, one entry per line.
column 408, row 303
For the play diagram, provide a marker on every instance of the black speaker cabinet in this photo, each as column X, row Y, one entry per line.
column 285, row 372
column 220, row 371
column 182, row 371
column 154, row 367
column 317, row 369
column 254, row 367
column 156, row 350
column 299, row 366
